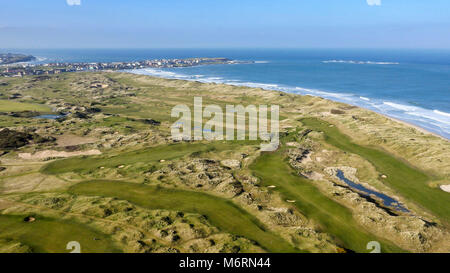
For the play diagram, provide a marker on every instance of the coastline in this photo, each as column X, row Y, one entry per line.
column 415, row 145
column 8, row 59
column 129, row 103
column 406, row 123
column 431, row 119
column 418, row 128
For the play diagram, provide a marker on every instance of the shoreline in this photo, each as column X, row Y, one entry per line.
column 418, row 128
column 409, row 124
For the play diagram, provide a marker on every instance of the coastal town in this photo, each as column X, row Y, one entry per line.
column 25, row 69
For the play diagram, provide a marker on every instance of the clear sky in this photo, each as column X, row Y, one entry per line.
column 224, row 23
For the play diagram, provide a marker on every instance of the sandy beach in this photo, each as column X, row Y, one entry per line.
column 418, row 128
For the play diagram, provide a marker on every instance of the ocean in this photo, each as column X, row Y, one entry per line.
column 410, row 85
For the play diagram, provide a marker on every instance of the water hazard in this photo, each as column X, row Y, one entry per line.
column 387, row 201
column 49, row 116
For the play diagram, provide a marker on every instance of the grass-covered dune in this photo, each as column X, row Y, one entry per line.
column 401, row 176
column 128, row 124
column 51, row 235
column 150, row 156
column 14, row 106
column 220, row 212
column 332, row 217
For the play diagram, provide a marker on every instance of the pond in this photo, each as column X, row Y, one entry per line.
column 49, row 116
column 387, row 201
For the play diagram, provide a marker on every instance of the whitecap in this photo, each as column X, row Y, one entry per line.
column 359, row 62
column 442, row 113
column 40, row 59
column 258, row 85
column 364, row 98
column 432, row 120
column 400, row 106
column 431, row 115
column 159, row 73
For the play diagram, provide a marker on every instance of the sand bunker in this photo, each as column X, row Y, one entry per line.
column 445, row 188
column 57, row 154
column 29, row 219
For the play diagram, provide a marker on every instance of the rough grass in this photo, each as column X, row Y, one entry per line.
column 14, row 106
column 332, row 217
column 220, row 212
column 148, row 155
column 406, row 180
column 48, row 235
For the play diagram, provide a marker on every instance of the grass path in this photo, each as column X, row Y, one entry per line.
column 406, row 180
column 333, row 218
column 221, row 213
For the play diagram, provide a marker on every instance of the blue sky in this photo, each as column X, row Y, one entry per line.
column 225, row 23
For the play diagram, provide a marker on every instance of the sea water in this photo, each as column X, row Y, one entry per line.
column 411, row 85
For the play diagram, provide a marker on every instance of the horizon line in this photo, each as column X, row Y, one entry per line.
column 230, row 48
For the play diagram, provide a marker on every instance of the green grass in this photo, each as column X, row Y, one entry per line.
column 222, row 213
column 48, row 235
column 150, row 155
column 332, row 217
column 406, row 180
column 14, row 106
column 119, row 124
column 154, row 110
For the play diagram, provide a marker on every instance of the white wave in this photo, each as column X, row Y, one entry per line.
column 428, row 114
column 159, row 73
column 261, row 62
column 382, row 63
column 211, row 80
column 232, row 81
column 341, row 96
column 359, row 62
column 258, row 85
column 364, row 98
column 40, row 59
column 442, row 113
column 419, row 113
column 400, row 106
column 432, row 120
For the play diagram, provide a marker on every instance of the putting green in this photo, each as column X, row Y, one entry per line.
column 222, row 213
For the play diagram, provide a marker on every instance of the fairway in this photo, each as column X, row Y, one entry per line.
column 408, row 181
column 13, row 106
column 220, row 212
column 333, row 218
column 48, row 235
column 147, row 155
